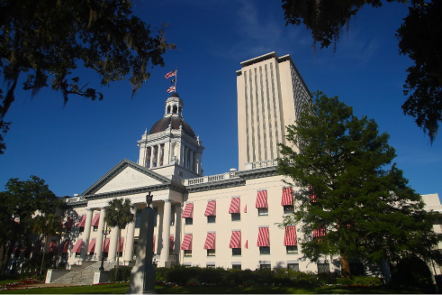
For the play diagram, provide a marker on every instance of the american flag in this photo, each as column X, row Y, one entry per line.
column 170, row 74
column 171, row 89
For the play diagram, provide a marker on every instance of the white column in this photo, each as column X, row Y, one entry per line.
column 99, row 242
column 87, row 232
column 164, row 256
column 113, row 244
column 129, row 240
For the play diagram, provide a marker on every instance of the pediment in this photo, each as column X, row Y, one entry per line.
column 126, row 175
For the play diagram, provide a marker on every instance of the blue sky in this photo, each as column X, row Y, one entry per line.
column 72, row 147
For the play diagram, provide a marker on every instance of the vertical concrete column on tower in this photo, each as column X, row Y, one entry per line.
column 113, row 244
column 183, row 155
column 167, row 156
column 99, row 242
column 129, row 240
column 87, row 232
column 164, row 256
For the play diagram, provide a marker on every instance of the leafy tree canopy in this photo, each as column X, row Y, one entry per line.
column 349, row 189
column 47, row 38
column 19, row 202
column 418, row 38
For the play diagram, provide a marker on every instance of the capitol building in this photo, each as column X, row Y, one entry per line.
column 227, row 220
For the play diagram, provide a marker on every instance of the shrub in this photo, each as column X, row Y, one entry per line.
column 367, row 281
column 412, row 272
column 122, row 275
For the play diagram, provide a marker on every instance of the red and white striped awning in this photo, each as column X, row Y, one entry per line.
column 235, row 239
column 211, row 208
column 234, row 205
column 319, row 232
column 171, row 243
column 287, row 196
column 95, row 220
column 91, row 247
column 52, row 246
column 105, row 246
column 121, row 245
column 65, row 246
column 82, row 221
column 77, row 246
column 263, row 237
column 210, row 241
column 245, row 208
column 187, row 242
column 290, row 236
column 68, row 223
column 188, row 211
column 247, row 244
column 261, row 199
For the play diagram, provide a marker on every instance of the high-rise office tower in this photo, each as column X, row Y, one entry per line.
column 271, row 93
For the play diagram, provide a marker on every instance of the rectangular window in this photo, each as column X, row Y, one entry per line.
column 189, row 221
column 288, row 209
column 264, row 250
column 263, row 212
column 265, row 266
column 187, row 253
column 236, row 251
column 211, row 219
column 293, row 266
column 77, row 255
column 291, row 249
column 236, row 216
column 210, row 265
column 135, row 246
column 95, row 228
column 323, row 267
column 236, row 266
column 210, row 252
column 81, row 229
column 172, row 216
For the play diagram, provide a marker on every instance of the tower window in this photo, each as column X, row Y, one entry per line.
column 174, row 110
column 168, row 109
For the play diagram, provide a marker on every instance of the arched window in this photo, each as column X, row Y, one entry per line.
column 174, row 109
column 168, row 109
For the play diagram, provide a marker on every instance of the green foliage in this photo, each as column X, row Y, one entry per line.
column 47, row 39
column 418, row 38
column 412, row 272
column 19, row 201
column 362, row 200
column 367, row 281
column 122, row 275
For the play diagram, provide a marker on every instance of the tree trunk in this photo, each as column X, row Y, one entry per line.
column 345, row 267
column 5, row 259
column 118, row 253
column 2, row 252
column 43, row 257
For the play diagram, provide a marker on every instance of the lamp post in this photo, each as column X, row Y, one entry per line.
column 105, row 233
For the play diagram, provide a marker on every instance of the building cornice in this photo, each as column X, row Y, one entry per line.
column 222, row 184
column 258, row 173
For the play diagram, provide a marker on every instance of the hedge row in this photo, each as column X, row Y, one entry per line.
column 232, row 277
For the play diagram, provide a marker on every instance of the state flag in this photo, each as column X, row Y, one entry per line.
column 171, row 89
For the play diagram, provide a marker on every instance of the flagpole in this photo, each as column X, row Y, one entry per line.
column 176, row 78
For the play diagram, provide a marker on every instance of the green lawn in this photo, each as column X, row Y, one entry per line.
column 124, row 288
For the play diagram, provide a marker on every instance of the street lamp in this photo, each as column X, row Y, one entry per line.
column 105, row 233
